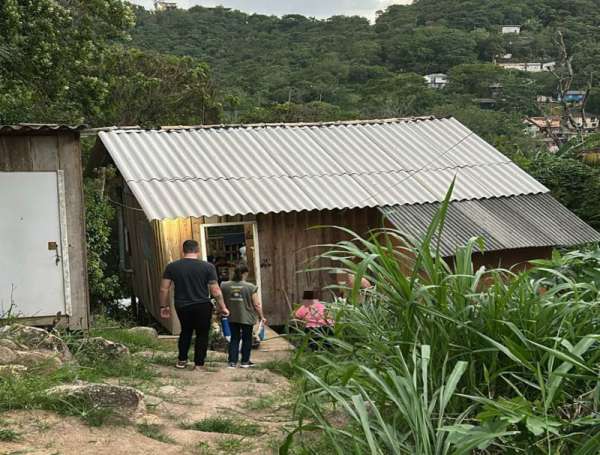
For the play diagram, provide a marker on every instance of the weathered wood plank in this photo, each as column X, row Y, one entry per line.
column 44, row 153
column 69, row 160
column 15, row 154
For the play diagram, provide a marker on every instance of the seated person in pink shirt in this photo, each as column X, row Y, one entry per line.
column 312, row 314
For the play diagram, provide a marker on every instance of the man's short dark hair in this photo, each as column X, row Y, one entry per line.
column 191, row 246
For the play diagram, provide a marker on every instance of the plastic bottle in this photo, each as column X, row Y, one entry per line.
column 225, row 328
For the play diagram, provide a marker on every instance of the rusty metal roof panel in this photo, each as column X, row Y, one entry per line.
column 310, row 166
column 525, row 221
column 24, row 128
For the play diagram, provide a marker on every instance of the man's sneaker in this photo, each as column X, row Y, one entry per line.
column 181, row 364
column 231, row 365
column 247, row 365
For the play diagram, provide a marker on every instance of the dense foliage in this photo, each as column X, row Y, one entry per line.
column 59, row 64
column 449, row 359
column 264, row 61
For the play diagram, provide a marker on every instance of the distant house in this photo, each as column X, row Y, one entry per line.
column 574, row 96
column 496, row 89
column 544, row 99
column 554, row 131
column 43, row 259
column 486, row 103
column 264, row 187
column 532, row 67
column 507, row 29
column 437, row 80
column 164, row 6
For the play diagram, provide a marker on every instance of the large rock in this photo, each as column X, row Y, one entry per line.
column 6, row 343
column 124, row 401
column 33, row 338
column 150, row 332
column 102, row 349
column 14, row 371
column 7, row 356
column 47, row 361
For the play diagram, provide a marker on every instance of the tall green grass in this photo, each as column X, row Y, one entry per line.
column 441, row 358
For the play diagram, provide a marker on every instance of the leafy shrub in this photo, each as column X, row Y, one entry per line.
column 448, row 359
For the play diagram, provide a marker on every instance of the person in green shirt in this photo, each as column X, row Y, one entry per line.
column 245, row 310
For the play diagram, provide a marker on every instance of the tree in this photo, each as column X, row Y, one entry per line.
column 399, row 95
column 151, row 89
column 51, row 44
column 430, row 49
column 572, row 182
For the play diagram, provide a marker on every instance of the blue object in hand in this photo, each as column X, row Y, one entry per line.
column 261, row 331
column 225, row 328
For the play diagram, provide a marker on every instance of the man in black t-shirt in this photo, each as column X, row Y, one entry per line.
column 195, row 281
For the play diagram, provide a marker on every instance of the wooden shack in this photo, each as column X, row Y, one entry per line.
column 43, row 269
column 254, row 193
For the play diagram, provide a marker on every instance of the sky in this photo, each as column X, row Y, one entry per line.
column 311, row 8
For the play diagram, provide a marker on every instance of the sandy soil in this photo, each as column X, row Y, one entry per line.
column 176, row 398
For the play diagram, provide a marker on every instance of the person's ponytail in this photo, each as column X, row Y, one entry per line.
column 238, row 274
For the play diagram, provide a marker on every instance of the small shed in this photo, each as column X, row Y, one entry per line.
column 43, row 269
column 252, row 192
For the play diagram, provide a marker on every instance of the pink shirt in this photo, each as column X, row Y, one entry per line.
column 313, row 314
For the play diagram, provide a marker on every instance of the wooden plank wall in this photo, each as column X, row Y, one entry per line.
column 285, row 242
column 53, row 152
column 287, row 245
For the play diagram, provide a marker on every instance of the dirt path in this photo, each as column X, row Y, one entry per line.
column 175, row 401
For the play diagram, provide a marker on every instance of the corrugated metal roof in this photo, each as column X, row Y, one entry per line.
column 39, row 127
column 229, row 170
column 535, row 220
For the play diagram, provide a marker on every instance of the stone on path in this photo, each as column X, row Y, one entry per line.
column 169, row 390
column 124, row 401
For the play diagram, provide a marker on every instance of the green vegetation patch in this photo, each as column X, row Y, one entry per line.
column 284, row 368
column 230, row 445
column 155, row 432
column 134, row 341
column 261, row 403
column 224, row 425
column 9, row 435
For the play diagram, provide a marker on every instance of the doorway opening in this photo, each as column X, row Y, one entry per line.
column 229, row 244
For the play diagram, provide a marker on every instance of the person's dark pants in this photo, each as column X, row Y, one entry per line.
column 196, row 318
column 243, row 332
column 316, row 337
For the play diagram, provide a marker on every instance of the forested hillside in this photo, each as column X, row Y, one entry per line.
column 294, row 68
column 103, row 62
column 355, row 68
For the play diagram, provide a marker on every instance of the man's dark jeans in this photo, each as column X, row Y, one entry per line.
column 196, row 317
column 243, row 332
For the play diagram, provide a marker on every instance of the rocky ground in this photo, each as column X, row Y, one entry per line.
column 179, row 411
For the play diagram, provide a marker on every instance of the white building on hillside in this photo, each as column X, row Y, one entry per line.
column 532, row 67
column 506, row 29
column 436, row 80
column 164, row 6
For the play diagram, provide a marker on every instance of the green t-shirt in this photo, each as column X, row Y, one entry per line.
column 238, row 298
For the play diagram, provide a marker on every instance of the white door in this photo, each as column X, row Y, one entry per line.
column 33, row 263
